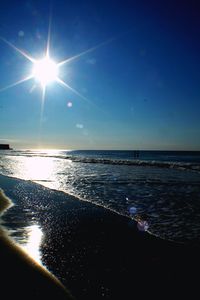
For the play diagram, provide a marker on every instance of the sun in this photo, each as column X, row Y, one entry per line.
column 45, row 71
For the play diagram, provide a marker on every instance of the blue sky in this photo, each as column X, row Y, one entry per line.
column 142, row 86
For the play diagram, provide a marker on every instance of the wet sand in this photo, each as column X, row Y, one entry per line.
column 22, row 277
column 98, row 254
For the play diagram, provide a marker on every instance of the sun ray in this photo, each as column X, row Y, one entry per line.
column 16, row 83
column 42, row 103
column 45, row 71
column 71, row 89
column 49, row 36
column 43, row 99
column 18, row 50
column 32, row 88
column 64, row 84
column 70, row 59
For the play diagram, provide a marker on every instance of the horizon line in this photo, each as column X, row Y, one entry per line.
column 79, row 149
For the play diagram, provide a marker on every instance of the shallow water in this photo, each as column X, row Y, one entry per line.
column 161, row 188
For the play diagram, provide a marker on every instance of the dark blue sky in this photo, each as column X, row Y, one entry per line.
column 142, row 86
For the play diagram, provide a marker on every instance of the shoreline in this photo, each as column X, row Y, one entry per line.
column 97, row 253
column 5, row 202
column 23, row 269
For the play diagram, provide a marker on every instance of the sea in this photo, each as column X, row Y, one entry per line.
column 158, row 189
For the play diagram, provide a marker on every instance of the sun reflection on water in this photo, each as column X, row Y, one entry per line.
column 33, row 242
column 38, row 168
column 49, row 168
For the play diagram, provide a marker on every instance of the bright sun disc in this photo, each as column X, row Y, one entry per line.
column 45, row 71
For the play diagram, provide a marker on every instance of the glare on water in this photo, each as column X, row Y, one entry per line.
column 32, row 243
column 38, row 168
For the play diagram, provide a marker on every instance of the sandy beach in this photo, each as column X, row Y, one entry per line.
column 21, row 276
column 94, row 252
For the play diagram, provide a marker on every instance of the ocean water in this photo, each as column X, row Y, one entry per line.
column 158, row 189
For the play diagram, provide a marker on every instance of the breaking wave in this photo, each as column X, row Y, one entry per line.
column 84, row 157
column 143, row 163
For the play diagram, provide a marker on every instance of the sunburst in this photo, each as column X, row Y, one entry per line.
column 45, row 70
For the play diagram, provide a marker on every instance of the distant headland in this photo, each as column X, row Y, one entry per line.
column 5, row 147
